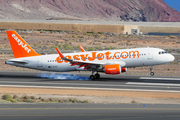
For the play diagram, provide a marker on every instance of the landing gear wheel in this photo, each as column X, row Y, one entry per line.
column 92, row 77
column 151, row 69
column 152, row 73
column 97, row 76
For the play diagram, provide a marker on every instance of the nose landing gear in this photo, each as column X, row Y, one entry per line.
column 151, row 69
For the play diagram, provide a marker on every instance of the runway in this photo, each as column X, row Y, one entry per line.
column 154, row 24
column 106, row 82
column 88, row 112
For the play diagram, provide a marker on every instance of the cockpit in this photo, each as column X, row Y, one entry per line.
column 162, row 52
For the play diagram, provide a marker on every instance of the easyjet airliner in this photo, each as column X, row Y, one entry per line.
column 108, row 61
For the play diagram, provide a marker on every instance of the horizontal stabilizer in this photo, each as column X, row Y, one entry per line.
column 17, row 61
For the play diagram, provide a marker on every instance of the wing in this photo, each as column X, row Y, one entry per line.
column 89, row 64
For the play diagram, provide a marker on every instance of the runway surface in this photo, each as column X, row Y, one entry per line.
column 154, row 24
column 106, row 82
column 88, row 112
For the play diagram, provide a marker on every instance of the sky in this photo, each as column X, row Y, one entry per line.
column 174, row 4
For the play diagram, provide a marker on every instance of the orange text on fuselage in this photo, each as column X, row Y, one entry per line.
column 101, row 56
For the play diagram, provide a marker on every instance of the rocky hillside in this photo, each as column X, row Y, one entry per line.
column 124, row 10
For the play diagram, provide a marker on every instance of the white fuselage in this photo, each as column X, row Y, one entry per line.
column 125, row 57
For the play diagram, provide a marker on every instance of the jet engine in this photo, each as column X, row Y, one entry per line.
column 114, row 69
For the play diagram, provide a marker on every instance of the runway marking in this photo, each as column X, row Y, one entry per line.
column 106, row 85
column 59, row 83
column 159, row 84
column 159, row 78
column 83, row 84
column 85, row 88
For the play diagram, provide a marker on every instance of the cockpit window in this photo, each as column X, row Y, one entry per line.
column 162, row 52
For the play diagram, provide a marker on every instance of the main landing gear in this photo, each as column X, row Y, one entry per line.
column 151, row 69
column 96, row 76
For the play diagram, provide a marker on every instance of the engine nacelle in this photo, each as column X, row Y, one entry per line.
column 112, row 69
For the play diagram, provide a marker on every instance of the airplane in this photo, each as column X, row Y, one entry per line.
column 112, row 62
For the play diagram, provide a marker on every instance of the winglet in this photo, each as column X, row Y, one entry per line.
column 82, row 49
column 60, row 54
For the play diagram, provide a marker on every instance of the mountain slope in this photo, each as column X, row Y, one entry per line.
column 124, row 10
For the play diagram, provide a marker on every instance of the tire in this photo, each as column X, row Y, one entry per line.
column 97, row 76
column 92, row 77
column 152, row 73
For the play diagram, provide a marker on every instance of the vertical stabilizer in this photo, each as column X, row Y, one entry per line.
column 19, row 46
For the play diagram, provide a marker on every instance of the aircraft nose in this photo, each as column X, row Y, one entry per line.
column 171, row 58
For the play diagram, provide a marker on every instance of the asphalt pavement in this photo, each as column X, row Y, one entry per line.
column 82, row 81
column 89, row 112
column 154, row 24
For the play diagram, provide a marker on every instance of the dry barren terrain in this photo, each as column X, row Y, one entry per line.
column 116, row 10
column 97, row 96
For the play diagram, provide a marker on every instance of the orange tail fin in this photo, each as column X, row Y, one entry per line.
column 19, row 46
